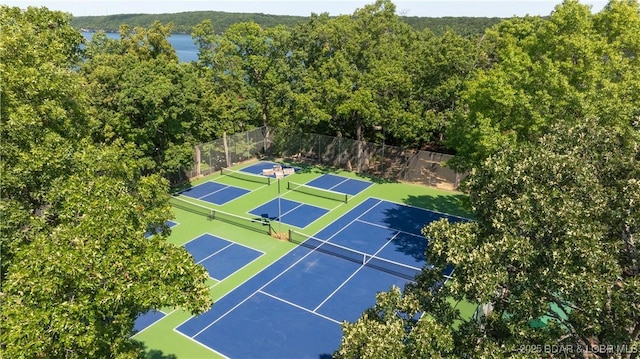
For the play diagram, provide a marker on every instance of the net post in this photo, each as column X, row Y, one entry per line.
column 269, row 228
column 346, row 198
column 289, row 234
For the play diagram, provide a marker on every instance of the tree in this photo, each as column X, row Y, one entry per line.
column 77, row 268
column 544, row 72
column 359, row 72
column 552, row 257
column 42, row 113
column 555, row 241
column 88, row 271
column 249, row 74
column 394, row 328
column 142, row 94
column 443, row 65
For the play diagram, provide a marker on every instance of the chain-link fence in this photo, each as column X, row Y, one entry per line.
column 377, row 160
column 224, row 152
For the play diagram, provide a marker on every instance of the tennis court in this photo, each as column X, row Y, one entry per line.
column 147, row 319
column 339, row 184
column 220, row 257
column 293, row 308
column 289, row 212
column 214, row 192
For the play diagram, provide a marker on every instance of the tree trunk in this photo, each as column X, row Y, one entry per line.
column 360, row 145
column 265, row 124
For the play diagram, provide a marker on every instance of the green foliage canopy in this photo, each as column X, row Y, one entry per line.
column 556, row 236
column 574, row 65
column 77, row 268
column 143, row 95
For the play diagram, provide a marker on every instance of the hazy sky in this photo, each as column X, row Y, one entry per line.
column 432, row 8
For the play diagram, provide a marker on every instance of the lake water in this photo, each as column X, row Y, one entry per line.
column 186, row 50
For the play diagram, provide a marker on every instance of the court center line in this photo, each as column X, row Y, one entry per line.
column 257, row 291
column 248, row 191
column 214, row 192
column 289, row 211
column 281, row 273
column 214, row 253
column 298, row 306
column 337, row 184
column 350, row 223
column 354, row 273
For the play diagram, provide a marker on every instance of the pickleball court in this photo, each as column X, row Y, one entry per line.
column 294, row 307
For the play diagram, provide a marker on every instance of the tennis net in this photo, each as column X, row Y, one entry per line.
column 245, row 176
column 385, row 265
column 261, row 225
column 318, row 192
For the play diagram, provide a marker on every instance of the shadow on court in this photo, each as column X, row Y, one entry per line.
column 158, row 354
column 412, row 219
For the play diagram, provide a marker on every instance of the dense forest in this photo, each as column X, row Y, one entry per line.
column 544, row 113
column 185, row 22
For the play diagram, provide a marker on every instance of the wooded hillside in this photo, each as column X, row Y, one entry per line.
column 184, row 22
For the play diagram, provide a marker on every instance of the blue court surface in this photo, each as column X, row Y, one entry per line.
column 214, row 192
column 294, row 307
column 153, row 231
column 220, row 257
column 257, row 168
column 145, row 320
column 340, row 184
column 289, row 212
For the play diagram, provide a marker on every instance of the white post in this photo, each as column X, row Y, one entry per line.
column 279, row 210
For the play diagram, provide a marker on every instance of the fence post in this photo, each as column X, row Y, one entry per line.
column 226, row 149
column 197, row 159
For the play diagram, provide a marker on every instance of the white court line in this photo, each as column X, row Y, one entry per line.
column 214, row 192
column 393, row 229
column 337, row 184
column 354, row 273
column 200, row 344
column 291, row 210
column 281, row 273
column 299, row 307
column 214, row 253
column 257, row 291
column 424, row 209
